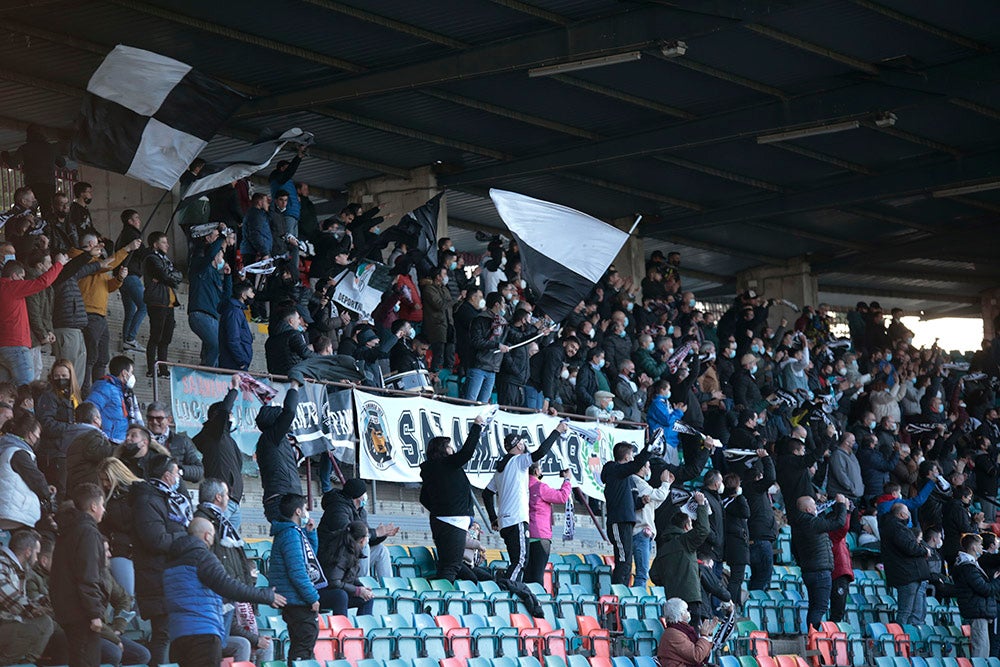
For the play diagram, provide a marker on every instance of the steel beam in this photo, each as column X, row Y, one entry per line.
column 695, row 66
column 386, row 22
column 823, row 157
column 937, row 31
column 815, row 49
column 899, row 294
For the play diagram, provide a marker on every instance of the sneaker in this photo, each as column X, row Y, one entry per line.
column 133, row 345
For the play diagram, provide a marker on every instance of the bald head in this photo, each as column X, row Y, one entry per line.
column 202, row 529
column 901, row 511
column 806, row 505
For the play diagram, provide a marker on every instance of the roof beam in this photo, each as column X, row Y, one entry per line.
column 386, row 22
column 815, row 49
column 531, row 10
column 823, row 157
column 915, row 139
column 627, row 189
column 812, row 236
column 899, row 294
column 621, row 96
column 715, row 73
column 915, row 273
column 906, row 19
column 636, row 29
column 917, row 178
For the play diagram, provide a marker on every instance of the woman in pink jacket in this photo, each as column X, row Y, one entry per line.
column 541, row 497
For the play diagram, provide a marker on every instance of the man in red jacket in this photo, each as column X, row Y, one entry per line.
column 15, row 335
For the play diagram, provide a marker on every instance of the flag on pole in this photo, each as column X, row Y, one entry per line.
column 426, row 219
column 240, row 164
column 563, row 252
column 148, row 116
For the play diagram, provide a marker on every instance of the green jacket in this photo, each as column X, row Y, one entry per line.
column 645, row 363
column 676, row 564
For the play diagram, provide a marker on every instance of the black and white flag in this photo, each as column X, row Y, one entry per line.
column 234, row 166
column 563, row 252
column 148, row 116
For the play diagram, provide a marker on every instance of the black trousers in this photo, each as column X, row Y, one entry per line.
column 509, row 393
column 450, row 543
column 159, row 641
column 161, row 332
column 737, row 573
column 538, row 558
column 516, row 539
column 303, row 629
column 621, row 540
column 84, row 645
column 838, row 598
column 197, row 651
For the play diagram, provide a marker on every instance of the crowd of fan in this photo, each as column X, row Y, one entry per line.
column 870, row 434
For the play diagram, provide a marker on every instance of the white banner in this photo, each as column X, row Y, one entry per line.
column 393, row 434
column 362, row 289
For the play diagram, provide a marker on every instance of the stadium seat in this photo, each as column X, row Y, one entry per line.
column 595, row 639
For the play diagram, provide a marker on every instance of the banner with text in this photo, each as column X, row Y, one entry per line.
column 361, row 290
column 393, row 435
column 323, row 416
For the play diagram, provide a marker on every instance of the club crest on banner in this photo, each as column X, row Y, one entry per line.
column 376, row 439
column 363, row 274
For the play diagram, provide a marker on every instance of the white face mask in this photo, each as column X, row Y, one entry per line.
column 130, row 383
column 444, row 281
column 565, row 374
column 305, row 518
column 482, row 304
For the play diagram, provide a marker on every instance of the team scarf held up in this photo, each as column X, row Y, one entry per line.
column 178, row 503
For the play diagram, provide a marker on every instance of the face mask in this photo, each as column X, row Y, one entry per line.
column 177, row 484
column 760, row 421
column 670, row 330
column 364, row 503
column 621, row 334
column 376, row 231
column 739, row 490
column 301, row 327
column 730, row 353
column 524, row 284
column 666, row 395
column 650, row 346
column 572, row 381
column 338, row 235
column 753, row 369
column 691, row 302
column 755, row 349
column 888, row 357
column 629, row 306
column 482, row 304
column 913, row 381
column 130, row 383
column 941, row 408
column 412, row 333
column 565, row 374
column 591, row 334
column 871, row 426
column 444, row 281
column 599, row 365
column 131, row 448
column 453, row 266
column 9, row 258
column 87, row 200
column 625, row 323
column 395, row 308
column 62, row 384
column 841, row 371
column 220, row 265
column 305, row 518
column 647, row 476
column 515, row 302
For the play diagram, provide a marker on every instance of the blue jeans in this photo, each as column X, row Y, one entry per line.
column 135, row 310
column 130, row 653
column 907, row 601
column 123, row 570
column 233, row 514
column 479, row 385
column 533, row 398
column 818, row 587
column 761, row 565
column 16, row 365
column 206, row 328
column 641, row 547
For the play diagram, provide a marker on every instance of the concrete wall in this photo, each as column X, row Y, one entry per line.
column 792, row 281
column 397, row 196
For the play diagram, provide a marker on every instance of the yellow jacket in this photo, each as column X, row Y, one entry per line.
column 96, row 288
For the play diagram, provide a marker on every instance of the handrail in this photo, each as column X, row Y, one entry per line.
column 382, row 390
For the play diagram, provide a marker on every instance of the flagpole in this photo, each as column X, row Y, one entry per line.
column 155, row 209
column 635, row 224
column 523, row 342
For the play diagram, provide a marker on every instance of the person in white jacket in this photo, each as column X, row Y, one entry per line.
column 644, row 532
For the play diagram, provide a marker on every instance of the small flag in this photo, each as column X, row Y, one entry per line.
column 234, row 166
column 360, row 287
column 148, row 116
column 426, row 219
column 563, row 252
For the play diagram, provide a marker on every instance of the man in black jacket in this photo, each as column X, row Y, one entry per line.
column 487, row 338
column 160, row 517
column 905, row 560
column 221, row 456
column 473, row 304
column 195, row 584
column 762, row 529
column 814, row 552
column 977, row 594
column 287, row 345
column 514, row 367
column 344, row 506
column 547, row 368
column 78, row 562
column 715, row 542
column 159, row 278
column 617, row 478
column 178, row 444
column 794, row 464
column 276, row 453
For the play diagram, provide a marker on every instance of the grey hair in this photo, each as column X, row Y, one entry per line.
column 158, row 406
column 673, row 610
column 209, row 489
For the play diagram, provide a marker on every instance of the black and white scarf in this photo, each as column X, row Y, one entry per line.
column 179, row 504
column 313, row 567
column 228, row 536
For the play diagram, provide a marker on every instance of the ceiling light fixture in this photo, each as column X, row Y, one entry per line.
column 885, row 119
column 674, row 49
column 967, row 189
column 804, row 132
column 588, row 63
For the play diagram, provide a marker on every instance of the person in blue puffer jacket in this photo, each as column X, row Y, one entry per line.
column 296, row 574
column 194, row 585
column 113, row 396
column 660, row 414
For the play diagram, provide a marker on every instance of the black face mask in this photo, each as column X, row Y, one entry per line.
column 62, row 384
column 132, row 448
column 87, row 200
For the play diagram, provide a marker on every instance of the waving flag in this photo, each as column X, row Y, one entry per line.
column 563, row 252
column 148, row 116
